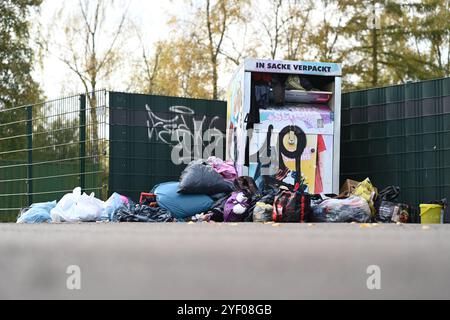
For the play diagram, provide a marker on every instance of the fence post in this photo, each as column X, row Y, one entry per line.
column 110, row 104
column 30, row 155
column 82, row 139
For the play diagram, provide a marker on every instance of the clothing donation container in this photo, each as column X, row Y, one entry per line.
column 283, row 121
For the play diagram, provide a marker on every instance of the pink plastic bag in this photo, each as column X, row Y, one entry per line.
column 225, row 168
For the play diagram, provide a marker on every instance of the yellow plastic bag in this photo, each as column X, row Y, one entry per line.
column 368, row 192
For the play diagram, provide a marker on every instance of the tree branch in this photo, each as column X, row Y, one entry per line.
column 116, row 36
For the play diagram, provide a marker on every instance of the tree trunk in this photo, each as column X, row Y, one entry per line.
column 215, row 79
column 374, row 49
column 212, row 52
column 94, row 125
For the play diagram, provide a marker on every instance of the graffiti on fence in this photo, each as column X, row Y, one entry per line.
column 189, row 137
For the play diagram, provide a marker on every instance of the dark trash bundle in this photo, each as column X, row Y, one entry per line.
column 142, row 213
column 267, row 197
column 217, row 210
column 246, row 184
column 388, row 209
column 201, row 178
column 223, row 209
column 262, row 212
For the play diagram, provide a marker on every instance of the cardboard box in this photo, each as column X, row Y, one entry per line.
column 348, row 187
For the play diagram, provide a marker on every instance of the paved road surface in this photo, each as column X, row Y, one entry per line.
column 217, row 261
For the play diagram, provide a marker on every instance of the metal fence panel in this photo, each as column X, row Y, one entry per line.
column 103, row 142
column 49, row 148
column 399, row 135
column 144, row 132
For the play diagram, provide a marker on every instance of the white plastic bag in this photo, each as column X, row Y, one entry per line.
column 75, row 207
column 64, row 205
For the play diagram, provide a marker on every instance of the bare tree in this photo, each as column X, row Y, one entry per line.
column 188, row 61
column 238, row 48
column 273, row 26
column 218, row 18
column 91, row 48
column 282, row 22
column 151, row 64
column 214, row 47
column 297, row 31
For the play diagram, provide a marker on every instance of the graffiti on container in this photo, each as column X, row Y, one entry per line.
column 310, row 117
column 199, row 141
column 290, row 146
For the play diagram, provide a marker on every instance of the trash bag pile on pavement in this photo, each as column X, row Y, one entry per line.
column 212, row 191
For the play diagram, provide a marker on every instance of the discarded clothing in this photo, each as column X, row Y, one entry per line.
column 142, row 213
column 246, row 184
column 225, row 168
column 37, row 213
column 202, row 217
column 279, row 88
column 262, row 94
column 236, row 207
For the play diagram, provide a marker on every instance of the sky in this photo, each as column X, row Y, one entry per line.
column 150, row 16
column 54, row 76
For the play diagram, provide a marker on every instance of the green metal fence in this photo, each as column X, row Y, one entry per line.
column 47, row 149
column 103, row 142
column 145, row 132
column 399, row 135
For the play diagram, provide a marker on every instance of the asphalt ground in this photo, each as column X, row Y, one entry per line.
column 224, row 261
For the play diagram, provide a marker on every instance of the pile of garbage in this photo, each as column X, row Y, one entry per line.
column 212, row 191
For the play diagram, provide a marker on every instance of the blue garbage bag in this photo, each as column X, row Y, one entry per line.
column 37, row 213
column 115, row 203
column 181, row 206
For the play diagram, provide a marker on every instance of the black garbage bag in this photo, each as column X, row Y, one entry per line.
column 387, row 209
column 268, row 195
column 200, row 178
column 217, row 210
column 142, row 213
column 251, row 207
